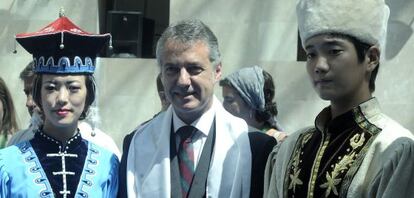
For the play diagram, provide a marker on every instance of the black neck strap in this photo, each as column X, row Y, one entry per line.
column 199, row 183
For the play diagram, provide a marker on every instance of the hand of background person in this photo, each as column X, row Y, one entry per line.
column 280, row 136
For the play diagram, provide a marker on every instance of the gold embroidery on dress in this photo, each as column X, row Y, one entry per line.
column 345, row 162
column 294, row 178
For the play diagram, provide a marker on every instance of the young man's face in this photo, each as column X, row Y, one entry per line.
column 188, row 78
column 334, row 69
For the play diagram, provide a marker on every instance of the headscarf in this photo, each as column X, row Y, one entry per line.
column 249, row 83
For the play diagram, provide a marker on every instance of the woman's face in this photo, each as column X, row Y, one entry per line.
column 234, row 104
column 63, row 99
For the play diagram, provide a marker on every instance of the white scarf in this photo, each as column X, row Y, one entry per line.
column 148, row 162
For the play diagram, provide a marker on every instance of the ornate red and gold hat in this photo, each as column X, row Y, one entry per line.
column 62, row 47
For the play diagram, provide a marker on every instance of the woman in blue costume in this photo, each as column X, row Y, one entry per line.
column 58, row 162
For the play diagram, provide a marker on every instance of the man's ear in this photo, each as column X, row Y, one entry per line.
column 373, row 57
column 217, row 72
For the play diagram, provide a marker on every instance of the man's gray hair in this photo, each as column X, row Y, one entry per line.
column 189, row 32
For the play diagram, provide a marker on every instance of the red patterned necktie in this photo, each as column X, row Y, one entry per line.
column 186, row 157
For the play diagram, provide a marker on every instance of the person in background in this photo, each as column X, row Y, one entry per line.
column 172, row 154
column 8, row 123
column 27, row 75
column 127, row 140
column 95, row 135
column 353, row 149
column 161, row 94
column 248, row 94
column 58, row 161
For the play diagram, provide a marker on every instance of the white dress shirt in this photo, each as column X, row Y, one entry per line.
column 203, row 125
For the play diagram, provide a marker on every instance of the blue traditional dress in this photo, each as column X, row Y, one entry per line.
column 45, row 167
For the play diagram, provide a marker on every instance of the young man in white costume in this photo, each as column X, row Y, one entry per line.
column 354, row 150
column 190, row 64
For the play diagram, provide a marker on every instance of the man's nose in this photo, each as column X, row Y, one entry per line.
column 184, row 77
column 321, row 65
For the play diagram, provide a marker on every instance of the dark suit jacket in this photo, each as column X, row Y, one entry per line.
column 261, row 145
column 122, row 189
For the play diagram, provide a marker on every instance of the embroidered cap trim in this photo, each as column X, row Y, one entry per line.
column 63, row 65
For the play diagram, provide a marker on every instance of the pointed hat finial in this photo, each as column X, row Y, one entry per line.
column 61, row 12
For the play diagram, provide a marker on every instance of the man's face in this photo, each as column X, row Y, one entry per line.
column 334, row 69
column 188, row 78
column 30, row 104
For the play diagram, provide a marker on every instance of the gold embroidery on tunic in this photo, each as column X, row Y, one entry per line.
column 330, row 184
column 317, row 163
column 345, row 162
column 370, row 131
column 295, row 180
